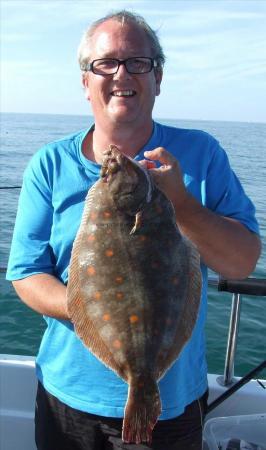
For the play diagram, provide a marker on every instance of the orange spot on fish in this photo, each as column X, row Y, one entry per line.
column 107, row 214
column 93, row 215
column 97, row 295
column 143, row 238
column 117, row 344
column 109, row 253
column 119, row 295
column 91, row 271
column 175, row 280
column 91, row 238
column 106, row 317
column 119, row 280
column 134, row 318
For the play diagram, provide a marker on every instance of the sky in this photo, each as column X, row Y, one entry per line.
column 215, row 56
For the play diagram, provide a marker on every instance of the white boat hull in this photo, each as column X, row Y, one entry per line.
column 18, row 388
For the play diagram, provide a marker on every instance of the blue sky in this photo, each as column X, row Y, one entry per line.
column 215, row 49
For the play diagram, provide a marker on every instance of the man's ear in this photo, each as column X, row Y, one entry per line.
column 85, row 84
column 158, row 78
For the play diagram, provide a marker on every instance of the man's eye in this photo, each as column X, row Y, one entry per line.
column 140, row 63
column 137, row 61
column 106, row 64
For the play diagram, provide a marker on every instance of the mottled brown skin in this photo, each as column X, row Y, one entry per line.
column 134, row 285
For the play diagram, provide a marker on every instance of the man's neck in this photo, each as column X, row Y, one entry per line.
column 128, row 140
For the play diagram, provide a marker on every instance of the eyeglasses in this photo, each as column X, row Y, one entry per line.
column 110, row 66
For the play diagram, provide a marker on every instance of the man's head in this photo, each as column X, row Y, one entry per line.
column 123, row 17
column 121, row 61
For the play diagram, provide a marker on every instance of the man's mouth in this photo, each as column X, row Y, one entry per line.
column 123, row 93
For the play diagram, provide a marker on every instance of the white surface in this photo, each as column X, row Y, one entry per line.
column 249, row 399
column 249, row 428
column 17, row 399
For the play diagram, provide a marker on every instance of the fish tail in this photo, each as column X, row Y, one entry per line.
column 142, row 410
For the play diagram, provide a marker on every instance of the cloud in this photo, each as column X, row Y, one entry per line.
column 215, row 43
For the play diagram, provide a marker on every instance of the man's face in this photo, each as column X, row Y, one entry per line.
column 109, row 94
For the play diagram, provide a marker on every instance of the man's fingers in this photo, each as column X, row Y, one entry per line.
column 161, row 155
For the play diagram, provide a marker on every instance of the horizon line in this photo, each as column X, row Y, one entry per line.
column 155, row 118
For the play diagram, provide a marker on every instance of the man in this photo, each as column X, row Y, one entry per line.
column 80, row 402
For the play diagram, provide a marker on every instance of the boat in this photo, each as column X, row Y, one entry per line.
column 234, row 403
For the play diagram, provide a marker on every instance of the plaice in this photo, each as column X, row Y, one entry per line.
column 134, row 285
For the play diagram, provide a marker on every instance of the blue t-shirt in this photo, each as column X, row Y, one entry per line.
column 49, row 213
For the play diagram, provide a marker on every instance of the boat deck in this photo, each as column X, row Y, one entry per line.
column 18, row 387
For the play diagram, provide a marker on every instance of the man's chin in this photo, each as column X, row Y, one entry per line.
column 123, row 115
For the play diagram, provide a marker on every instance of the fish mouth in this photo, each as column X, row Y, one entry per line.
column 109, row 168
column 112, row 168
column 112, row 162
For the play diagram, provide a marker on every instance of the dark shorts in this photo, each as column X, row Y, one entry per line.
column 60, row 427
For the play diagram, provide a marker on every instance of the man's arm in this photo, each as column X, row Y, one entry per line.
column 44, row 293
column 225, row 245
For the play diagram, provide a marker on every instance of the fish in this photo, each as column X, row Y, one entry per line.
column 134, row 285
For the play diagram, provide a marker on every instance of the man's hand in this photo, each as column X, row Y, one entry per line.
column 225, row 245
column 168, row 176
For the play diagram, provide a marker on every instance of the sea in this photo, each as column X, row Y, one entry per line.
column 22, row 135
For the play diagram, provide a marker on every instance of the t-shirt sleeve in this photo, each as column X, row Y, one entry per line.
column 225, row 194
column 30, row 250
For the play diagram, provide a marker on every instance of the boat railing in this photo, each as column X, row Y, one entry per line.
column 247, row 286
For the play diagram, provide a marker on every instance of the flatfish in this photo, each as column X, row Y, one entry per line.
column 134, row 285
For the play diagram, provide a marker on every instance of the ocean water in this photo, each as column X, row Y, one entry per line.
column 22, row 134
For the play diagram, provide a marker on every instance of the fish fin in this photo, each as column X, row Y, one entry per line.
column 191, row 306
column 138, row 222
column 189, row 313
column 89, row 335
column 84, row 327
column 142, row 410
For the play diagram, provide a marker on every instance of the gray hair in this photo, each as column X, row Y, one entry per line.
column 123, row 16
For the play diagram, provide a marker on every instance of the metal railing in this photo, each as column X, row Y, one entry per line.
column 248, row 286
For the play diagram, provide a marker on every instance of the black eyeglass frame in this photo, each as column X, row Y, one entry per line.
column 153, row 61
